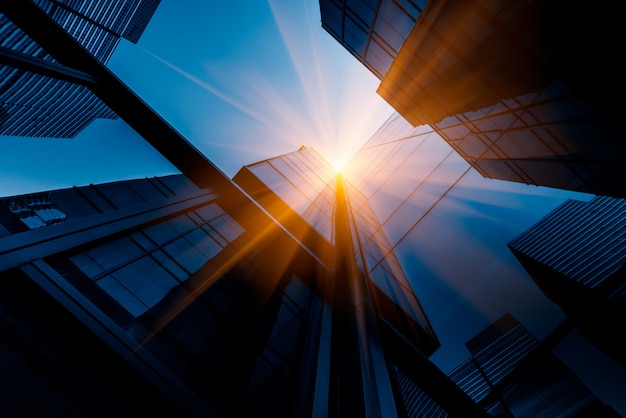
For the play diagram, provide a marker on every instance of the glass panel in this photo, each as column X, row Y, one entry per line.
column 203, row 243
column 186, row 255
column 227, row 227
column 86, row 265
column 210, row 212
column 145, row 280
column 355, row 36
column 364, row 9
column 378, row 57
column 182, row 223
column 115, row 253
column 118, row 292
column 161, row 233
column 170, row 265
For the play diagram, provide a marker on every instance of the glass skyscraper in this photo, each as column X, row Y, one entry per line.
column 510, row 373
column 513, row 87
column 575, row 256
column 28, row 109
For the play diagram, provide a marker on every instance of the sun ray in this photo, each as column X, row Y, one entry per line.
column 314, row 105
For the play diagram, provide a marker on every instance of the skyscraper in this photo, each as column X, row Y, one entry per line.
column 513, row 88
column 227, row 306
column 30, row 73
column 511, row 374
column 522, row 376
column 158, row 285
column 207, row 298
column 576, row 257
column 449, row 228
column 372, row 295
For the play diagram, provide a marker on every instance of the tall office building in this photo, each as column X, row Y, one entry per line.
column 515, row 88
column 576, row 256
column 28, row 73
column 202, row 296
column 449, row 228
column 99, row 26
column 220, row 302
column 523, row 377
column 511, row 374
column 371, row 286
column 307, row 184
column 156, row 296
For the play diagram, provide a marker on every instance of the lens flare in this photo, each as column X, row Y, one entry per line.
column 338, row 164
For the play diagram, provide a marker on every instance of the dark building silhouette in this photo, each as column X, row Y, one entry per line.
column 371, row 288
column 29, row 73
column 162, row 297
column 512, row 374
column 524, row 378
column 289, row 290
column 206, row 298
column 231, row 306
column 517, row 89
column 450, row 227
column 575, row 255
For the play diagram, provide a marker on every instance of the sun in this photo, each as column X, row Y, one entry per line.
column 338, row 164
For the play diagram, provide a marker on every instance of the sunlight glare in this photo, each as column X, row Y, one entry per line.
column 338, row 164
column 342, row 106
column 327, row 99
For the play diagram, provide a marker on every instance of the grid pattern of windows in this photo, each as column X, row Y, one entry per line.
column 372, row 30
column 527, row 139
column 99, row 25
column 143, row 13
column 522, row 378
column 305, row 182
column 64, row 114
column 139, row 270
column 499, row 348
column 416, row 402
column 277, row 365
column 27, row 106
column 446, row 225
column 584, row 241
column 468, row 377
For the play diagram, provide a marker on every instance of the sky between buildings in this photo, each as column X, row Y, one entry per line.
column 242, row 80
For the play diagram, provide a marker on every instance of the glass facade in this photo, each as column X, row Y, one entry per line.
column 182, row 289
column 374, row 281
column 511, row 87
column 511, row 374
column 98, row 26
column 305, row 182
column 518, row 377
column 28, row 109
column 449, row 228
column 575, row 255
column 372, row 30
column 139, row 270
column 371, row 248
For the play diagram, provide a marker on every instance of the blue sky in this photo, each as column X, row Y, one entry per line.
column 242, row 80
